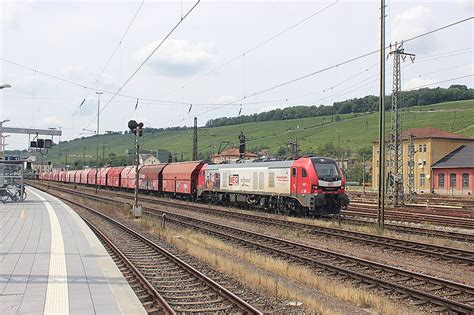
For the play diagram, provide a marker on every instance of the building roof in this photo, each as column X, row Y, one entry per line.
column 461, row 157
column 234, row 152
column 433, row 133
column 430, row 132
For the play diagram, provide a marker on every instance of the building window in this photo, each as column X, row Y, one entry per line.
column 441, row 180
column 424, row 147
column 452, row 181
column 420, row 148
column 424, row 162
column 303, row 172
column 422, row 179
column 465, row 180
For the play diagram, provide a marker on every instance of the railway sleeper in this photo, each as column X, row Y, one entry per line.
column 215, row 301
column 173, row 279
column 188, row 297
column 206, row 310
column 181, row 291
column 162, row 288
column 453, row 293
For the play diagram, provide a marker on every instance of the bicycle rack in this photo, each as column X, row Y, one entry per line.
column 12, row 172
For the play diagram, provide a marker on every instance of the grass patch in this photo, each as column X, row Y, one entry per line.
column 274, row 134
column 235, row 262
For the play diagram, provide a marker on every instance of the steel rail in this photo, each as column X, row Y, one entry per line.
column 463, row 256
column 452, row 235
column 436, row 251
column 285, row 244
column 162, row 304
column 462, row 222
column 329, row 266
column 220, row 290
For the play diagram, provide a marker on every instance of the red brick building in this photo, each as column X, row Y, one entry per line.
column 454, row 174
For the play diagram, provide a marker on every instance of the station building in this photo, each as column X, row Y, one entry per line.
column 431, row 146
column 454, row 174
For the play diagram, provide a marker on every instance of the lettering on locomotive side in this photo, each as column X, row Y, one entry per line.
column 282, row 178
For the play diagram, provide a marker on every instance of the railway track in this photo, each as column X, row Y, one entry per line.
column 415, row 217
column 438, row 252
column 170, row 284
column 368, row 219
column 447, row 254
column 464, row 202
column 414, row 230
column 421, row 289
column 146, row 293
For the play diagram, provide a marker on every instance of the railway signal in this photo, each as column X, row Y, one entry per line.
column 137, row 129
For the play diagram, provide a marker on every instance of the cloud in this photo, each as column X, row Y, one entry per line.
column 13, row 13
column 223, row 99
column 51, row 121
column 179, row 58
column 81, row 75
column 411, row 22
column 417, row 83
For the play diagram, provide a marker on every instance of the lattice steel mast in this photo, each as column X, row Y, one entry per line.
column 395, row 145
column 195, row 140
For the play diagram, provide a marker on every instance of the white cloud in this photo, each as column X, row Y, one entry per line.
column 51, row 121
column 80, row 74
column 223, row 99
column 74, row 72
column 13, row 13
column 411, row 22
column 178, row 58
column 416, row 83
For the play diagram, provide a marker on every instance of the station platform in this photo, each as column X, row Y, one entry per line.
column 52, row 263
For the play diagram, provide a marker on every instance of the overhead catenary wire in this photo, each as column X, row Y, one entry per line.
column 119, row 44
column 121, row 38
column 248, row 51
column 281, row 99
column 329, row 68
column 147, row 58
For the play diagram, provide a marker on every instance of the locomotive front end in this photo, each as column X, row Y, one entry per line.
column 329, row 192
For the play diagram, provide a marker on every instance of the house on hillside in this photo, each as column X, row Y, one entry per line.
column 148, row 159
column 231, row 155
column 454, row 173
column 431, row 145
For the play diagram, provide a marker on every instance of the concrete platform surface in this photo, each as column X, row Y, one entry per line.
column 52, row 263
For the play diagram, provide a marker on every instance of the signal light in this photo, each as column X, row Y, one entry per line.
column 134, row 127
column 48, row 143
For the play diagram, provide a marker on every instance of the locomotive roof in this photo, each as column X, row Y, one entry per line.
column 274, row 164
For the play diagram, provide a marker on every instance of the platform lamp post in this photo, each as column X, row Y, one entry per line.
column 137, row 129
column 97, row 135
column 3, row 142
column 1, row 132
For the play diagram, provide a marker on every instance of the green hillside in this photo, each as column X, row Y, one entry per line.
column 348, row 131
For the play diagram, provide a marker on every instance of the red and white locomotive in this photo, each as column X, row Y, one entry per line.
column 307, row 186
column 311, row 186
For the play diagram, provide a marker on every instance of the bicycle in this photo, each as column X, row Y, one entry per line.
column 12, row 192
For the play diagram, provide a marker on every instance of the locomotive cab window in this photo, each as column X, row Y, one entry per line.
column 294, row 171
column 303, row 172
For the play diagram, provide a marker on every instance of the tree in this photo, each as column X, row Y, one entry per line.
column 282, row 151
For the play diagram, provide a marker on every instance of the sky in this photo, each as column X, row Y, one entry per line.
column 225, row 57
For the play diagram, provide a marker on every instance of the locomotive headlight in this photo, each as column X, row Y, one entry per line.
column 314, row 187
